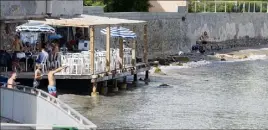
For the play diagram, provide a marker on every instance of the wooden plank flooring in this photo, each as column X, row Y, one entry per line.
column 140, row 67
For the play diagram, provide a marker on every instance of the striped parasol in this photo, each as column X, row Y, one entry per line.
column 120, row 32
column 35, row 27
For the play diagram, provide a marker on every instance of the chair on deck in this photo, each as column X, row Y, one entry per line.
column 44, row 64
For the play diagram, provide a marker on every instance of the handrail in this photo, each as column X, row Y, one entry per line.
column 36, row 125
column 55, row 101
column 247, row 6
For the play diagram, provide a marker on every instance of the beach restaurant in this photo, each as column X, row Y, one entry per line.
column 86, row 59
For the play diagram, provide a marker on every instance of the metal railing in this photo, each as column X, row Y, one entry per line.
column 228, row 6
column 83, row 122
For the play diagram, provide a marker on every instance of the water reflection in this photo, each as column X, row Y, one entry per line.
column 219, row 95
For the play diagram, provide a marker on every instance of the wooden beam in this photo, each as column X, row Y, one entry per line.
column 108, row 49
column 121, row 53
column 92, row 49
column 145, row 51
column 133, row 52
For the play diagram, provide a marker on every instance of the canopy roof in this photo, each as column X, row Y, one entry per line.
column 87, row 20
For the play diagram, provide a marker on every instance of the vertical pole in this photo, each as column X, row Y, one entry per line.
column 267, row 7
column 121, row 53
column 145, row 56
column 68, row 33
column 1, row 41
column 248, row 6
column 244, row 7
column 195, row 6
column 254, row 6
column 225, row 7
column 108, row 49
column 261, row 8
column 124, row 84
column 135, row 78
column 104, row 88
column 215, row 6
column 92, row 50
column 115, row 87
column 204, row 6
column 133, row 53
column 146, row 52
column 94, row 89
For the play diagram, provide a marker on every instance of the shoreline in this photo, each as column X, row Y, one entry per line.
column 231, row 54
column 189, row 60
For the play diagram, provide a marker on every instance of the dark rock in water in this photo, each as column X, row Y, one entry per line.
column 141, row 79
column 222, row 59
column 164, row 86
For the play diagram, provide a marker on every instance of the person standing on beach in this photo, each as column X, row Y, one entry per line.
column 52, row 81
column 37, row 76
column 11, row 81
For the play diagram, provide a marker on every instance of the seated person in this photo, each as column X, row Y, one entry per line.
column 43, row 54
column 3, row 81
column 1, row 84
column 11, row 81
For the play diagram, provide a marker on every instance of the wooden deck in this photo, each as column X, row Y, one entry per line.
column 140, row 67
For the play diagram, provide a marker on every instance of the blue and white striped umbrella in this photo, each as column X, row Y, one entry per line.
column 35, row 27
column 120, row 32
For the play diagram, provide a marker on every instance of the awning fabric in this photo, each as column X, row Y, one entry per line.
column 120, row 32
column 35, row 27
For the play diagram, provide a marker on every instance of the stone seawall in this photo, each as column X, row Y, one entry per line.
column 169, row 33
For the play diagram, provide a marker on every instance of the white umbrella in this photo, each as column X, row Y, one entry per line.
column 35, row 27
column 120, row 32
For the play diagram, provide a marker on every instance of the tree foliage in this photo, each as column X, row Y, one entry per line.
column 120, row 5
column 231, row 6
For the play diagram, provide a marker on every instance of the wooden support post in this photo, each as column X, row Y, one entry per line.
column 115, row 87
column 124, row 84
column 146, row 53
column 104, row 88
column 135, row 79
column 133, row 53
column 92, row 50
column 94, row 87
column 121, row 53
column 145, row 56
column 108, row 49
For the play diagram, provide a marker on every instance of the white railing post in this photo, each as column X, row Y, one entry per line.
column 261, row 8
column 267, row 7
column 215, row 9
column 195, row 6
column 204, row 6
column 225, row 7
column 254, row 7
column 248, row 6
column 244, row 7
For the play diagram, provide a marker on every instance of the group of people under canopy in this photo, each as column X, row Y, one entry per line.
column 30, row 48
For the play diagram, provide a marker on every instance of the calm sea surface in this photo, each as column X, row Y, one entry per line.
column 220, row 95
